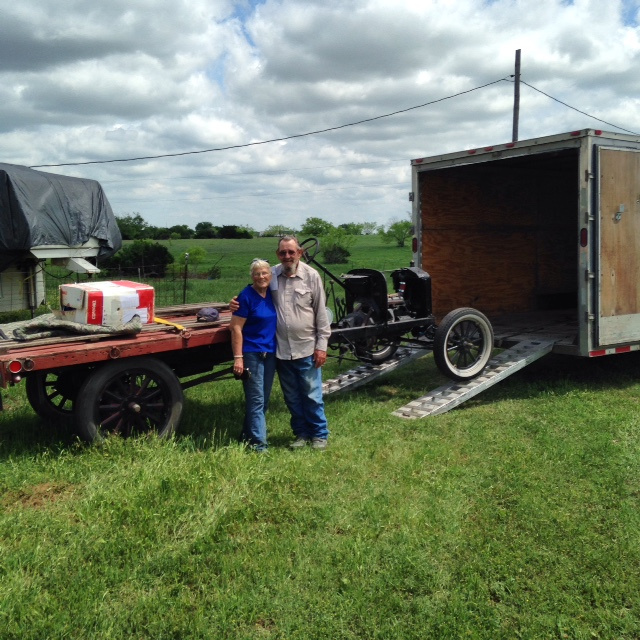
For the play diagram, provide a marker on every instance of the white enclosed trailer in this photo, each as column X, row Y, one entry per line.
column 541, row 235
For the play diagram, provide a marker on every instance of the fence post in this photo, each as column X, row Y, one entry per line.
column 186, row 273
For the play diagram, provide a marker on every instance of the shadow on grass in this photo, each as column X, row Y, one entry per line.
column 215, row 420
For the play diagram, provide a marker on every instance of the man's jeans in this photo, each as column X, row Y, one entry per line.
column 301, row 386
column 257, row 390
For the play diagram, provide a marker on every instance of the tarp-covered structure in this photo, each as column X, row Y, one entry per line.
column 40, row 209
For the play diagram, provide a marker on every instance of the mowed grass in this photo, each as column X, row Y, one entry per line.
column 513, row 516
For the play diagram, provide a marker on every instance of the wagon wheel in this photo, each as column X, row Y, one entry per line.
column 463, row 344
column 310, row 248
column 128, row 398
column 52, row 394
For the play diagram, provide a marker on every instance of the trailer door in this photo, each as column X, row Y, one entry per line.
column 619, row 218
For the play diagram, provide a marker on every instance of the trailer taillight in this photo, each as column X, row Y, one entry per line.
column 15, row 366
column 584, row 237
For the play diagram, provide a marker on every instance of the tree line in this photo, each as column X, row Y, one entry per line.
column 152, row 258
column 135, row 227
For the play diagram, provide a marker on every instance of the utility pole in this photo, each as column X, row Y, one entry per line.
column 516, row 98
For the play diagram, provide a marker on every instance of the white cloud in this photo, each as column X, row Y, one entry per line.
column 82, row 81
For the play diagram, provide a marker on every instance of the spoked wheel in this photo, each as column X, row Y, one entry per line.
column 310, row 247
column 52, row 394
column 129, row 398
column 377, row 351
column 463, row 344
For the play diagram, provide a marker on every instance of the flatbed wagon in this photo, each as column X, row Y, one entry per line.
column 104, row 383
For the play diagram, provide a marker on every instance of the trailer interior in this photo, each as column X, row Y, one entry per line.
column 502, row 236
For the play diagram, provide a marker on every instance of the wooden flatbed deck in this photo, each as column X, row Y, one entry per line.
column 49, row 353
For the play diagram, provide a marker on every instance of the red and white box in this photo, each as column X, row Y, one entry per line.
column 107, row 303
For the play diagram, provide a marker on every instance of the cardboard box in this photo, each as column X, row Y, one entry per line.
column 107, row 303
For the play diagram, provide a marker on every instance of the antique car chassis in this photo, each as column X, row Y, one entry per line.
column 371, row 324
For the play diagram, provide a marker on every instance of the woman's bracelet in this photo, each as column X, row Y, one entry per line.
column 237, row 357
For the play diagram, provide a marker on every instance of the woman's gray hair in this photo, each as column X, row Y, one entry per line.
column 258, row 263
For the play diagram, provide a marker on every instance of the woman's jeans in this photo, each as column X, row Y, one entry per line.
column 257, row 389
column 301, row 386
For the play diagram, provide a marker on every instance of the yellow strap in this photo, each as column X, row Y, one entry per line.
column 179, row 327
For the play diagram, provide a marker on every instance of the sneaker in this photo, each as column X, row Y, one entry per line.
column 299, row 443
column 319, row 443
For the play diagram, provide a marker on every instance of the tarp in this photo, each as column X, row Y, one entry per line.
column 38, row 208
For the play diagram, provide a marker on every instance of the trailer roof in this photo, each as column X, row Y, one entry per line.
column 561, row 140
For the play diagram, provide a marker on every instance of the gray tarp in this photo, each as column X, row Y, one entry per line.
column 38, row 208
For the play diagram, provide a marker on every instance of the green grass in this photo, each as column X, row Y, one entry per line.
column 514, row 516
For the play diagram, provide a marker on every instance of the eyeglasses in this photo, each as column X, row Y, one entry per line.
column 287, row 253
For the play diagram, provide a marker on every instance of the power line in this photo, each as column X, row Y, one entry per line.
column 291, row 137
column 584, row 113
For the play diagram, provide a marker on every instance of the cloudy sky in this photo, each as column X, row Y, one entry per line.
column 96, row 80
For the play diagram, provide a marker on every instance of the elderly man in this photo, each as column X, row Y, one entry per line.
column 302, row 333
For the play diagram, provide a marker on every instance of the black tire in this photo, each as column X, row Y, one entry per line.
column 311, row 247
column 381, row 351
column 463, row 344
column 129, row 397
column 375, row 350
column 52, row 394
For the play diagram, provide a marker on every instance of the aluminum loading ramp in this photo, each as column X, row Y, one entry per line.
column 355, row 378
column 451, row 395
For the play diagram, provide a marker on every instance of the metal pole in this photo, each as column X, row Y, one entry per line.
column 186, row 274
column 516, row 98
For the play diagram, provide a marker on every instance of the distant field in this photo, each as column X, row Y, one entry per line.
column 233, row 257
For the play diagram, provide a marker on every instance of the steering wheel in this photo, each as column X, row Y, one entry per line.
column 310, row 248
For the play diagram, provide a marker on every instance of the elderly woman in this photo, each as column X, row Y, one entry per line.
column 253, row 339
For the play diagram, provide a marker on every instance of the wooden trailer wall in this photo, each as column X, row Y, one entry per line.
column 502, row 236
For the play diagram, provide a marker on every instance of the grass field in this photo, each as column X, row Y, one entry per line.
column 233, row 257
column 514, row 516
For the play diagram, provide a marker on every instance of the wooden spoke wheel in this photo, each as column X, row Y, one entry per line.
column 52, row 394
column 129, row 397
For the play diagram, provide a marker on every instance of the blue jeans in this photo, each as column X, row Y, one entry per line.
column 301, row 386
column 257, row 390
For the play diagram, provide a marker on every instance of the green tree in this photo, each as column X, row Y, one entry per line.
column 336, row 246
column 141, row 256
column 248, row 231
column 369, row 228
column 316, row 227
column 397, row 231
column 196, row 255
column 206, row 230
column 182, row 230
column 352, row 228
column 233, row 231
column 277, row 231
column 132, row 226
